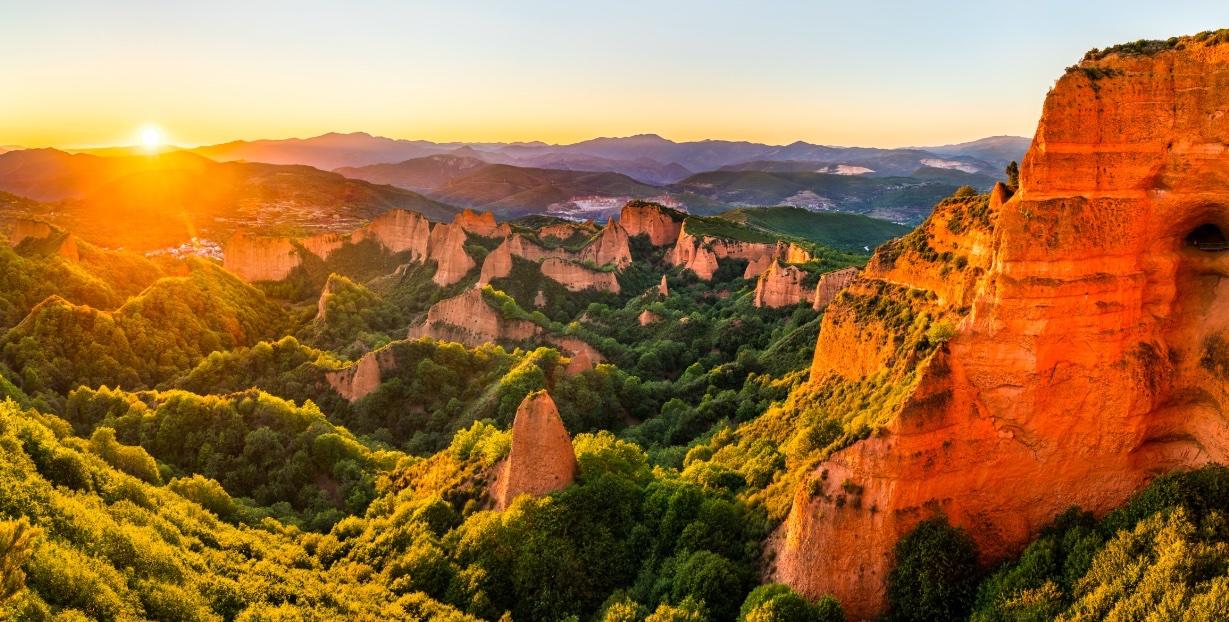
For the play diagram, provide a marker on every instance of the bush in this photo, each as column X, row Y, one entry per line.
column 936, row 573
column 775, row 602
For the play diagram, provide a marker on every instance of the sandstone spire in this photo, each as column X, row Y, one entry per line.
column 541, row 460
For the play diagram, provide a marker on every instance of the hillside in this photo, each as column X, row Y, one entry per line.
column 898, row 199
column 510, row 191
column 147, row 202
column 850, row 232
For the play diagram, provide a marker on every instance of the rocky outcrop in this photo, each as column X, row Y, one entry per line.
column 577, row 277
column 62, row 243
column 830, row 284
column 663, row 290
column 324, row 244
column 565, row 230
column 541, row 460
column 660, row 223
column 701, row 253
column 468, row 319
column 780, row 286
column 21, row 229
column 363, row 376
column 447, row 250
column 648, row 317
column 256, row 258
column 399, row 231
column 481, row 223
column 575, row 346
column 610, row 247
column 1090, row 356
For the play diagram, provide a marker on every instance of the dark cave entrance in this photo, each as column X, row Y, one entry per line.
column 1208, row 238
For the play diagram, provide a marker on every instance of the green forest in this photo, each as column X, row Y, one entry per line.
column 173, row 447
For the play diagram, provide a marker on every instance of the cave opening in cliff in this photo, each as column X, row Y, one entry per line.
column 1207, row 237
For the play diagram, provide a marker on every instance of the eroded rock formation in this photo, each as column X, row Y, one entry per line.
column 1090, row 355
column 399, row 230
column 468, row 319
column 257, row 258
column 541, row 460
column 324, row 244
column 609, row 247
column 362, row 377
column 780, row 286
column 700, row 254
column 481, row 223
column 447, row 250
column 661, row 224
column 577, row 277
column 565, row 230
column 830, row 284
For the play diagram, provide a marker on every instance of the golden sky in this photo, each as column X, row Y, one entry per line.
column 81, row 74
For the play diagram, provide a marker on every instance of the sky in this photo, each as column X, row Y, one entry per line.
column 869, row 73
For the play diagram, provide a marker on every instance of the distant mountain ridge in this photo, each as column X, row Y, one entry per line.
column 647, row 158
column 148, row 201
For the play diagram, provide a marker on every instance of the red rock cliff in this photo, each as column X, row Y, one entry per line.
column 661, row 224
column 481, row 223
column 256, row 258
column 780, row 286
column 541, row 460
column 399, row 230
column 1091, row 357
column 447, row 250
column 830, row 284
column 363, row 376
column 468, row 319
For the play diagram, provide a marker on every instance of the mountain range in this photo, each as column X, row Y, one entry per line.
column 648, row 158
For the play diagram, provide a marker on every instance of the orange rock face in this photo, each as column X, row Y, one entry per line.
column 661, row 225
column 447, row 250
column 400, row 230
column 468, row 319
column 830, row 284
column 609, row 247
column 1091, row 353
column 363, row 377
column 648, row 317
column 255, row 258
column 577, row 277
column 565, row 230
column 663, row 290
column 480, row 223
column 541, row 460
column 780, row 286
column 324, row 244
column 20, row 229
column 700, row 254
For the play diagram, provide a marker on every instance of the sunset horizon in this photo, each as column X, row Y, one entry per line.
column 614, row 311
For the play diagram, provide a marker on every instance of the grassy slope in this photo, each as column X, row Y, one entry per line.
column 839, row 230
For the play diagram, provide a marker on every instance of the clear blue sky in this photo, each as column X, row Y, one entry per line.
column 866, row 73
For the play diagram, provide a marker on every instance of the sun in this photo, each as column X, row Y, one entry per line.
column 151, row 137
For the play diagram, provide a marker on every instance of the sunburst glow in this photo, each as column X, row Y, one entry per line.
column 151, row 137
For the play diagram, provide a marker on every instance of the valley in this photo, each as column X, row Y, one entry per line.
column 629, row 379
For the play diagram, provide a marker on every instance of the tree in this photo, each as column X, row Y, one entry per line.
column 936, row 573
column 1013, row 176
column 16, row 544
